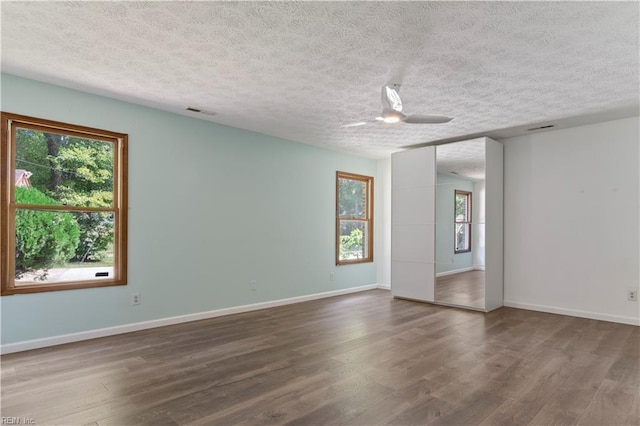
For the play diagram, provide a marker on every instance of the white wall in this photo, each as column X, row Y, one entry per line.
column 383, row 222
column 572, row 220
column 479, row 221
column 210, row 209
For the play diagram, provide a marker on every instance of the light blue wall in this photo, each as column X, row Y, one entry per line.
column 446, row 260
column 211, row 208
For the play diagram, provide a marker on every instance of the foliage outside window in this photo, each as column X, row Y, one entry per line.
column 462, row 222
column 64, row 206
column 354, row 218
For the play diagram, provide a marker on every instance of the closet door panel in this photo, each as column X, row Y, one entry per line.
column 494, row 280
column 413, row 243
column 411, row 280
column 413, row 174
column 419, row 202
column 410, row 169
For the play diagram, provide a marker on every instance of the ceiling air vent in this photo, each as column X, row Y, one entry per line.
column 200, row 111
column 541, row 127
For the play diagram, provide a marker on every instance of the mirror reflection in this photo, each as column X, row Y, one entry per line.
column 460, row 224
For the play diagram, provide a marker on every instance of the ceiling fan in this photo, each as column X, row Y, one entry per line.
column 392, row 110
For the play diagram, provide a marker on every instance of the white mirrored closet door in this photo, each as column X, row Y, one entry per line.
column 460, row 224
column 446, row 230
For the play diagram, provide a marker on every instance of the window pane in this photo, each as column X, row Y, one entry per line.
column 352, row 198
column 67, row 170
column 354, row 239
column 461, row 207
column 57, row 246
column 462, row 236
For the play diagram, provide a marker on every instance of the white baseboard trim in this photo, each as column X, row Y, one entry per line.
column 384, row 286
column 453, row 272
column 479, row 267
column 573, row 313
column 144, row 325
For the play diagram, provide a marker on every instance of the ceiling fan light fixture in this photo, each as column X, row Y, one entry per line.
column 392, row 116
column 392, row 110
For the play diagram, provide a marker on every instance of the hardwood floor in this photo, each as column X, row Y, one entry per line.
column 463, row 289
column 360, row 359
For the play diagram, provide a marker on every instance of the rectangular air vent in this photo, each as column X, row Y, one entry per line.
column 200, row 111
column 541, row 127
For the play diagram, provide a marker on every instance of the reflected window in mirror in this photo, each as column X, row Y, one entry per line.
column 462, row 222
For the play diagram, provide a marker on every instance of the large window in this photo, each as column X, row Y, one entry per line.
column 354, row 218
column 462, row 242
column 64, row 206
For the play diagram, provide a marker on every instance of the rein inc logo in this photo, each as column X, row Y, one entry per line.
column 17, row 420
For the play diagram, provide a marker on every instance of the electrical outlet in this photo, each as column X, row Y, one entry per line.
column 332, row 277
column 135, row 299
column 253, row 285
column 632, row 295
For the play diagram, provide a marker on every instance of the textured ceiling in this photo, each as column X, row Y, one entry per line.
column 302, row 70
column 465, row 159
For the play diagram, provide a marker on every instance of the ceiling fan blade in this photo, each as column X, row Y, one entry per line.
column 426, row 119
column 359, row 123
column 391, row 98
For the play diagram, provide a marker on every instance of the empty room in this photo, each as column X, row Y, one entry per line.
column 320, row 213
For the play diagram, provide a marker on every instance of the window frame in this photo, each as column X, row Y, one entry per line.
column 8, row 206
column 467, row 222
column 368, row 180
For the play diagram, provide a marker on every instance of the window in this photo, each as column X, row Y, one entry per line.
column 354, row 218
column 462, row 242
column 63, row 221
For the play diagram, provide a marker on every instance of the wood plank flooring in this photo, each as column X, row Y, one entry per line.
column 360, row 359
column 463, row 289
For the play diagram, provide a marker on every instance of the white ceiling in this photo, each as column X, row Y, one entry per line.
column 462, row 159
column 301, row 70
